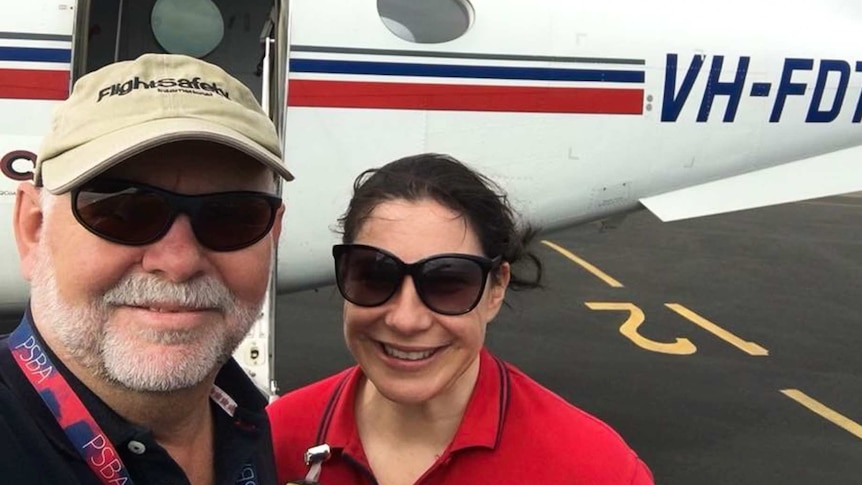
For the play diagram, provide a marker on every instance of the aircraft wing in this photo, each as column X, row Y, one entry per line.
column 832, row 173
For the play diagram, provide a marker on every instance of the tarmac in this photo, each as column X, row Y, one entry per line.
column 723, row 349
column 744, row 368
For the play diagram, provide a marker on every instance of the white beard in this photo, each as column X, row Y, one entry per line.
column 130, row 357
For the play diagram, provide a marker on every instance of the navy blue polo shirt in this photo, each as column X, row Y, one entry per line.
column 35, row 450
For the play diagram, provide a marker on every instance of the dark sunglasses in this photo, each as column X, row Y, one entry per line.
column 449, row 284
column 135, row 214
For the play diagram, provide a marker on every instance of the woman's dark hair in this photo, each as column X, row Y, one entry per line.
column 449, row 182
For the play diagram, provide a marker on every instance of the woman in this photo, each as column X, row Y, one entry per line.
column 430, row 248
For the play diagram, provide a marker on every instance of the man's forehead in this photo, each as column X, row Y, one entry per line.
column 195, row 163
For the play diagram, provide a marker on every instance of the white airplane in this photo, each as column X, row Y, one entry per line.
column 582, row 110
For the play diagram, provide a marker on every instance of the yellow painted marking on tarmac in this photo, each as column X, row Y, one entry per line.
column 682, row 346
column 825, row 412
column 750, row 348
column 584, row 264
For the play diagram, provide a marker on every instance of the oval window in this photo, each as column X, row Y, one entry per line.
column 426, row 21
column 191, row 27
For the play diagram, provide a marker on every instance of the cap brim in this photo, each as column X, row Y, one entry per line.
column 77, row 165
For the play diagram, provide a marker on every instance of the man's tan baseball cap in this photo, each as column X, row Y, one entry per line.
column 129, row 107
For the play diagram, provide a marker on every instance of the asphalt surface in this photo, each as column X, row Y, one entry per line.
column 782, row 280
column 779, row 287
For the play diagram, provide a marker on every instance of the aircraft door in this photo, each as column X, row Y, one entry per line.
column 222, row 32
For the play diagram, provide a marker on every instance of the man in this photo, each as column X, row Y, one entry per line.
column 148, row 238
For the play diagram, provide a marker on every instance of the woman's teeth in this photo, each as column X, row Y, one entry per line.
column 400, row 354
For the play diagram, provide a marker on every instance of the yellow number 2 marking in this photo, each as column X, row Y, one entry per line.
column 682, row 346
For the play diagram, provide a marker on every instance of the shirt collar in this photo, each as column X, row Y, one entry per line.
column 481, row 425
column 483, row 419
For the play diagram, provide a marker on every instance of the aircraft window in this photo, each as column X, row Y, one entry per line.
column 426, row 21
column 191, row 27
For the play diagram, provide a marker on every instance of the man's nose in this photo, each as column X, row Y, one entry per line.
column 177, row 256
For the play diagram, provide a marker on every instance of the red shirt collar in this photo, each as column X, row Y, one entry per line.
column 481, row 426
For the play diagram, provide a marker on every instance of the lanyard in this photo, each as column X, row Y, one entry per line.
column 79, row 425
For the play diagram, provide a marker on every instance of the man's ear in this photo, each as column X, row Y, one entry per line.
column 27, row 223
column 276, row 225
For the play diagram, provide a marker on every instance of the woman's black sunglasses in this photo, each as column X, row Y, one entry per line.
column 135, row 214
column 449, row 284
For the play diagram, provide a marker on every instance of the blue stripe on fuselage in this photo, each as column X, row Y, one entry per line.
column 477, row 72
column 35, row 54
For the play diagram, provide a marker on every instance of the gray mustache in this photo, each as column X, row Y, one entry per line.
column 145, row 290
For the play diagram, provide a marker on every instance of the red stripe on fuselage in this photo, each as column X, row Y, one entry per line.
column 33, row 84
column 461, row 97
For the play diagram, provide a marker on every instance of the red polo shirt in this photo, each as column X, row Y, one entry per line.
column 513, row 431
